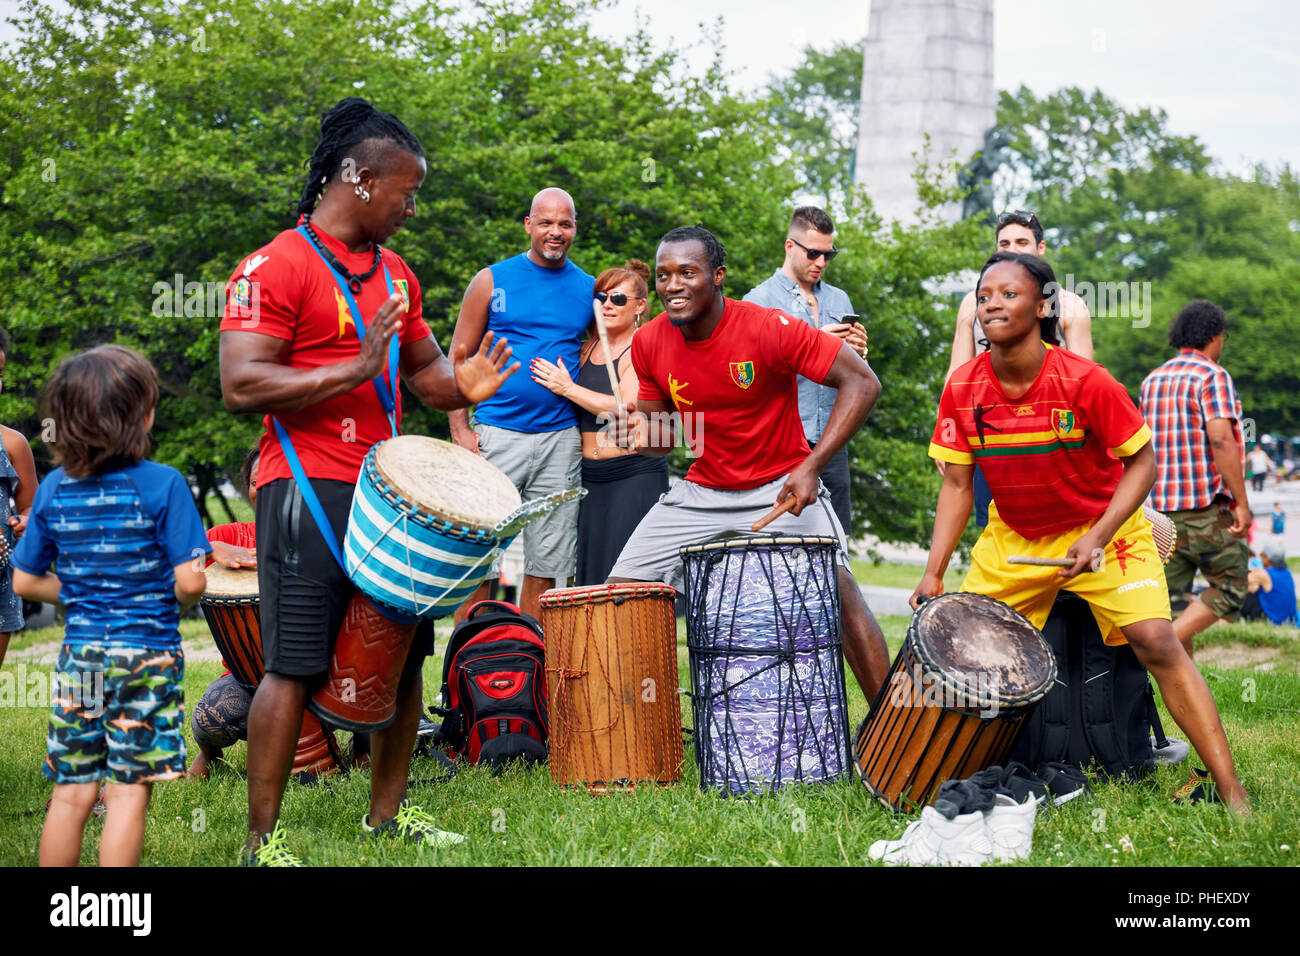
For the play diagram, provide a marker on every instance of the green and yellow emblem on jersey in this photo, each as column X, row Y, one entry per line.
column 403, row 289
column 1064, row 424
column 742, row 373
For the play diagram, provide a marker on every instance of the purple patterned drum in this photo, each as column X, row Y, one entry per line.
column 767, row 676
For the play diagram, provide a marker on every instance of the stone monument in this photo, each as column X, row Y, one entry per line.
column 927, row 68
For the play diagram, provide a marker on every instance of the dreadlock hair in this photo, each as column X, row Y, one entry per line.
column 1047, row 287
column 344, row 127
column 712, row 248
column 1196, row 325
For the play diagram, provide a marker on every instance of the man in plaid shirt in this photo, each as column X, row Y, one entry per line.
column 1194, row 414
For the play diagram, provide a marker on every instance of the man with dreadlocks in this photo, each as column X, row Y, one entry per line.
column 305, row 341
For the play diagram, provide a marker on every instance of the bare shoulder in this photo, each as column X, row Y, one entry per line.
column 1072, row 306
column 966, row 311
column 13, row 438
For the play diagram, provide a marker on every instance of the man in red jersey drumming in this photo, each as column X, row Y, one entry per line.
column 730, row 370
column 1069, row 461
column 318, row 325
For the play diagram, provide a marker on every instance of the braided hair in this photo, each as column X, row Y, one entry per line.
column 343, row 127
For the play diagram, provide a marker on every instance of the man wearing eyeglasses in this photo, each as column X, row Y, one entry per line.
column 798, row 290
column 528, row 431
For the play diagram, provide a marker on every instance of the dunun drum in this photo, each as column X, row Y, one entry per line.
column 955, row 699
column 231, row 606
column 422, row 531
column 611, row 677
column 767, row 675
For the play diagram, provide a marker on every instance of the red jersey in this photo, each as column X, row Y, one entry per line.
column 242, row 534
column 1047, row 455
column 737, row 391
column 285, row 290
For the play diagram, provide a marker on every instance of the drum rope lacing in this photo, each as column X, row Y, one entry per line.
column 563, row 673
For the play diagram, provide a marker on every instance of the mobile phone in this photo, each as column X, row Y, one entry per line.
column 851, row 319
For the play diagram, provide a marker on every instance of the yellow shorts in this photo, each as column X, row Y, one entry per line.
column 1129, row 588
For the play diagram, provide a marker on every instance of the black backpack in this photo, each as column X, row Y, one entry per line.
column 494, row 705
column 1102, row 708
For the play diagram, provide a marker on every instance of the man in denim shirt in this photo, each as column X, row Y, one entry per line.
column 798, row 290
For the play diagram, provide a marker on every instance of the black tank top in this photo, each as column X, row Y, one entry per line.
column 594, row 377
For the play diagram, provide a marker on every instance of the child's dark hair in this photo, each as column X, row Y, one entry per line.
column 1196, row 325
column 246, row 469
column 99, row 403
column 1047, row 288
column 343, row 128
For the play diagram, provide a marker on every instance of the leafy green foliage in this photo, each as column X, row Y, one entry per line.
column 1125, row 201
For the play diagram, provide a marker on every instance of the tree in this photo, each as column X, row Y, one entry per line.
column 156, row 144
column 816, row 106
column 1135, row 214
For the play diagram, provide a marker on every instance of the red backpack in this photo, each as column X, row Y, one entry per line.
column 494, row 687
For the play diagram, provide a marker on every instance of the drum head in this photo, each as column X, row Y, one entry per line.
column 231, row 584
column 600, row 593
column 983, row 649
column 446, row 481
column 747, row 543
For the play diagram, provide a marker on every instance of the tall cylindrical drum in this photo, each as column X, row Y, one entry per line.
column 767, row 675
column 611, row 675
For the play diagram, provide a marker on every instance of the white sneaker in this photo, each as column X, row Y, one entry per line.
column 1010, row 827
column 934, row 839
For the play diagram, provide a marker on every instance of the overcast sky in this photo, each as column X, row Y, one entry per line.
column 1228, row 73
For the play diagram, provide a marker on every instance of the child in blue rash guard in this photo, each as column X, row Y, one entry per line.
column 126, row 544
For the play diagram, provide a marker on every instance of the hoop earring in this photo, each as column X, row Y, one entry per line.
column 362, row 192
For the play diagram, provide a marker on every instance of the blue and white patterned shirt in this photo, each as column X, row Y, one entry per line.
column 114, row 539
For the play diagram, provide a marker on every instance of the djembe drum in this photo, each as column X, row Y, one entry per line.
column 955, row 699
column 427, row 520
column 611, row 674
column 231, row 607
column 767, row 675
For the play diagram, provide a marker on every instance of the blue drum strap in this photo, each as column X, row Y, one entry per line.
column 387, row 391
column 308, row 493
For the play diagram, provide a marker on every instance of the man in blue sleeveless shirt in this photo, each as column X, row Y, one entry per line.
column 543, row 302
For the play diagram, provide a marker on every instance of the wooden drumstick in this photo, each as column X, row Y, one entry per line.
column 598, row 313
column 775, row 513
column 1096, row 565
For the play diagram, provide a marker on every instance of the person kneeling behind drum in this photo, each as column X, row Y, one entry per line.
column 1069, row 461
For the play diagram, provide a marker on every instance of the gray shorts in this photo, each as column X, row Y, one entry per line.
column 540, row 464
column 692, row 514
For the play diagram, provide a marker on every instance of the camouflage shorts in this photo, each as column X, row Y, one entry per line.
column 1205, row 543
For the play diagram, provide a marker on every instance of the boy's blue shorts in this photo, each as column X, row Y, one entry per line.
column 116, row 714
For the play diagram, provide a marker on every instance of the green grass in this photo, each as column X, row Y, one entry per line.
column 888, row 574
column 521, row 818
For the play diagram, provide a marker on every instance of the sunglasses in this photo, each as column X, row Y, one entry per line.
column 815, row 254
column 1021, row 217
column 618, row 298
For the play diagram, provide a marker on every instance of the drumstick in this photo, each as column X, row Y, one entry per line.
column 599, row 315
column 1097, row 559
column 775, row 513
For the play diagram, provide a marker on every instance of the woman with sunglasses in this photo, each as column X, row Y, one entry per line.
column 621, row 485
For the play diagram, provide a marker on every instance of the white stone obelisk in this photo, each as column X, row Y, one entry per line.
column 927, row 68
